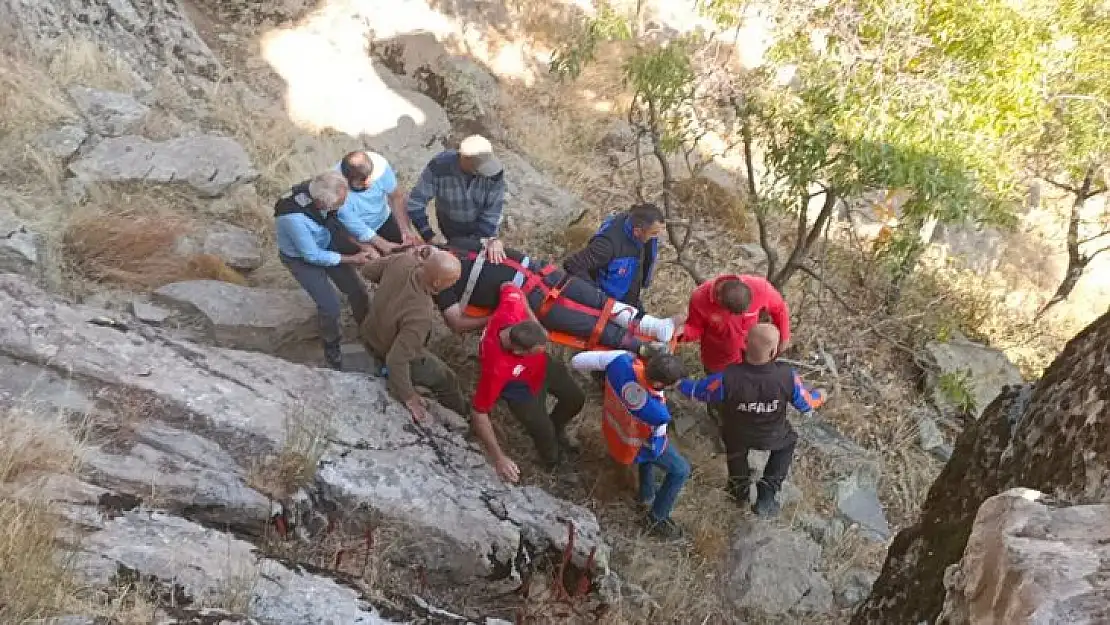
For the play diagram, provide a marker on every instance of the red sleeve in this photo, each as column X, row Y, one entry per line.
column 771, row 300
column 485, row 396
column 695, row 316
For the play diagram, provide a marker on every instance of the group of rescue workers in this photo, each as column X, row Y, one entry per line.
column 356, row 219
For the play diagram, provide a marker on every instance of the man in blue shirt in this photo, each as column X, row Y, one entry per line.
column 309, row 233
column 620, row 258
column 468, row 186
column 374, row 197
column 634, row 424
column 753, row 397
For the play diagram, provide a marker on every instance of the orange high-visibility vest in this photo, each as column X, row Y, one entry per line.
column 624, row 433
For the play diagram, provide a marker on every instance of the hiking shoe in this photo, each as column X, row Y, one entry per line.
column 333, row 356
column 766, row 506
column 665, row 529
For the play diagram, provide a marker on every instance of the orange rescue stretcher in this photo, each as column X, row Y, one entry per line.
column 553, row 295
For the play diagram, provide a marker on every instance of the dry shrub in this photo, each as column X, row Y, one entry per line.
column 29, row 99
column 33, row 579
column 307, row 434
column 132, row 244
column 79, row 61
column 723, row 206
column 211, row 267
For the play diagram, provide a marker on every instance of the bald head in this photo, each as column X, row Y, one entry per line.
column 356, row 167
column 441, row 270
column 763, row 342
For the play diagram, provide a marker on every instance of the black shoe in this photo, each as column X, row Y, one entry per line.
column 333, row 356
column 665, row 529
column 765, row 505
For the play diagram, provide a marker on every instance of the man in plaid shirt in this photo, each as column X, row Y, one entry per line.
column 468, row 186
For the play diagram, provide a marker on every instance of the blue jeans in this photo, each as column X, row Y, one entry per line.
column 677, row 471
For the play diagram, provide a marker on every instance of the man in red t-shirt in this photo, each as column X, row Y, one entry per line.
column 722, row 311
column 516, row 368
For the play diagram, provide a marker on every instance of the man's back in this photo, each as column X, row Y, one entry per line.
column 756, row 401
column 400, row 301
column 487, row 289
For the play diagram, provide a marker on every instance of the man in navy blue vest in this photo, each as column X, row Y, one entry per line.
column 620, row 257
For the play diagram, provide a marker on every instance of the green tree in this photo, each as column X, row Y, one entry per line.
column 1073, row 148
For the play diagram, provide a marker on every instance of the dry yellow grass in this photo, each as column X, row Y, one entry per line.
column 307, row 435
column 34, row 581
column 128, row 237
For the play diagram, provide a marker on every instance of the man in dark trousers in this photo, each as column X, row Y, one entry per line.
column 620, row 258
column 516, row 368
column 753, row 398
column 320, row 243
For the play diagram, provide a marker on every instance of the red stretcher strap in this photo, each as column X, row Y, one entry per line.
column 599, row 327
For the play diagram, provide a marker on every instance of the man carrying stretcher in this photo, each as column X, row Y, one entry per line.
column 577, row 313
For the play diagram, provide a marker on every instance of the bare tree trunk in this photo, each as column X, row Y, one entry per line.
column 757, row 207
column 1077, row 261
column 805, row 238
column 678, row 242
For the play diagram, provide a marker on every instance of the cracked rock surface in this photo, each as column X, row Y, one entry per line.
column 210, row 164
column 206, row 413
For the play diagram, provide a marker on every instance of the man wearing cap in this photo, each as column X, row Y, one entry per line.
column 468, row 186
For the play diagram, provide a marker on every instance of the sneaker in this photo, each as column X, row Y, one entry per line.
column 765, row 505
column 665, row 529
column 333, row 356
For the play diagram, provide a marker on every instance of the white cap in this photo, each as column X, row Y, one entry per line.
column 478, row 148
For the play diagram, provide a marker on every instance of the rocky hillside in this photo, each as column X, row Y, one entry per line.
column 1051, row 437
column 169, row 452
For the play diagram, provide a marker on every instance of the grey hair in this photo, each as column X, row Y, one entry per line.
column 328, row 189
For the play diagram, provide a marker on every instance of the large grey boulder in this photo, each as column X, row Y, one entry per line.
column 205, row 567
column 109, row 113
column 62, row 142
column 1029, row 562
column 467, row 91
column 773, row 570
column 211, row 164
column 244, row 317
column 858, row 502
column 982, row 371
column 455, row 516
column 238, row 247
column 149, row 36
column 21, row 247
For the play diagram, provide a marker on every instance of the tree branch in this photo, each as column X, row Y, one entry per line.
column 1092, row 238
column 1061, row 185
column 1092, row 255
column 873, row 327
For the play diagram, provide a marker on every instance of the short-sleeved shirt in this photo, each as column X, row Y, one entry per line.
column 487, row 289
column 372, row 205
column 504, row 374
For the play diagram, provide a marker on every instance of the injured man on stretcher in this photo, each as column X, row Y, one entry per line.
column 577, row 313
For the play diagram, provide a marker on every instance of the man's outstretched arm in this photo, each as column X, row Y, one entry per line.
column 710, row 389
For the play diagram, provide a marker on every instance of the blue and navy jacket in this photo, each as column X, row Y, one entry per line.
column 615, row 261
column 641, row 403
